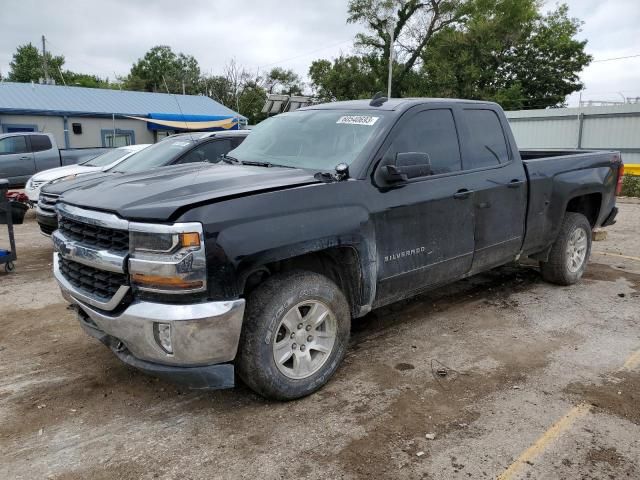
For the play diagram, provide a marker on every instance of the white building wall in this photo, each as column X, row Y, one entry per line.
column 46, row 124
column 608, row 127
column 92, row 128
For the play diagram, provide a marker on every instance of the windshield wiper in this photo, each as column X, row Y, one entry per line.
column 229, row 159
column 264, row 164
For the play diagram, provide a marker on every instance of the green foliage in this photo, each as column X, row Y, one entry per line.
column 348, row 77
column 161, row 69
column 282, row 81
column 630, row 186
column 500, row 50
column 27, row 65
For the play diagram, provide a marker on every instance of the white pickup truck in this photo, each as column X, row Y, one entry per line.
column 106, row 160
column 23, row 154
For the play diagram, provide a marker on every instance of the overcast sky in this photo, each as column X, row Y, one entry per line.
column 106, row 38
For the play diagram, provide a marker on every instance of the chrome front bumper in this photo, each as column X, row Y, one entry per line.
column 201, row 333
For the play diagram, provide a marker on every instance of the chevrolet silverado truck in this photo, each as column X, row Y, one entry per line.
column 24, row 153
column 177, row 149
column 256, row 266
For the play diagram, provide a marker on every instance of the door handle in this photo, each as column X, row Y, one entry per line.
column 25, row 158
column 462, row 194
column 515, row 183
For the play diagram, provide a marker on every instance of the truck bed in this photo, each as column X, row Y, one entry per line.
column 556, row 176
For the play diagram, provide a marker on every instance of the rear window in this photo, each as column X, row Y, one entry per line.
column 487, row 143
column 40, row 143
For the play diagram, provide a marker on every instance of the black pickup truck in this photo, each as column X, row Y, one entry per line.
column 259, row 264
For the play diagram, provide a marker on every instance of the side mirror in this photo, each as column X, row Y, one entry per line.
column 406, row 166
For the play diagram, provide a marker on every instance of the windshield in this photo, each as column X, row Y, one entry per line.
column 157, row 155
column 314, row 139
column 106, row 158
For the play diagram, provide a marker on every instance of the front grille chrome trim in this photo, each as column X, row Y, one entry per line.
column 74, row 292
column 91, row 257
column 92, row 217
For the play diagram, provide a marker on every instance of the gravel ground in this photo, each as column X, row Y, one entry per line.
column 540, row 382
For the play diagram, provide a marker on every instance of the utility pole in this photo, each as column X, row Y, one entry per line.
column 44, row 59
column 391, row 27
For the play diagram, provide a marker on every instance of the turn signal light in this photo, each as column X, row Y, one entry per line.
column 191, row 239
column 157, row 281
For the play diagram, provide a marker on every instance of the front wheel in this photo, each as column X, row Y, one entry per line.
column 295, row 335
column 570, row 252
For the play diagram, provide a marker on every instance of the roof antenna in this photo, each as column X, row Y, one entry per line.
column 378, row 99
column 184, row 119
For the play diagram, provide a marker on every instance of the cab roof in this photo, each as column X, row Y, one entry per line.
column 391, row 104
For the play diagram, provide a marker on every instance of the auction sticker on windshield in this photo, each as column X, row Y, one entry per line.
column 358, row 120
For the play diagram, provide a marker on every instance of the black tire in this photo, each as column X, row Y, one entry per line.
column 556, row 269
column 9, row 267
column 266, row 309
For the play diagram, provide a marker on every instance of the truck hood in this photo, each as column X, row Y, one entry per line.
column 60, row 172
column 156, row 196
column 60, row 186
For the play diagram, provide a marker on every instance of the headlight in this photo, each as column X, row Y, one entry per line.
column 167, row 258
column 62, row 179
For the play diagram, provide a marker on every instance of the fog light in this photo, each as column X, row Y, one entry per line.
column 162, row 332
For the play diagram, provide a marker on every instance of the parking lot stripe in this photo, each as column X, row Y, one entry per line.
column 609, row 254
column 547, row 437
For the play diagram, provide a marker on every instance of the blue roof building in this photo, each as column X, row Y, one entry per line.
column 90, row 117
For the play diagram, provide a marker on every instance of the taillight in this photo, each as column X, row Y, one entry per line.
column 620, row 175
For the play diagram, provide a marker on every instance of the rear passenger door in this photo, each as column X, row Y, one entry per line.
column 44, row 155
column 16, row 160
column 499, row 187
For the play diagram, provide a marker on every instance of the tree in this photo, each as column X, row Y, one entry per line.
column 502, row 50
column 509, row 53
column 27, row 65
column 413, row 22
column 348, row 77
column 237, row 89
column 161, row 69
column 282, row 81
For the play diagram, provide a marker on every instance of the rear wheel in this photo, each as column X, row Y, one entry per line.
column 295, row 335
column 570, row 252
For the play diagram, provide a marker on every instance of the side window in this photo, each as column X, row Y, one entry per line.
column 235, row 141
column 487, row 143
column 40, row 143
column 208, row 152
column 433, row 132
column 11, row 145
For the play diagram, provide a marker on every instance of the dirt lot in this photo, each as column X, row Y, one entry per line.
column 541, row 382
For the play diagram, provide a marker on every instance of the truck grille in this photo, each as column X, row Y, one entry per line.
column 95, row 236
column 97, row 283
column 47, row 202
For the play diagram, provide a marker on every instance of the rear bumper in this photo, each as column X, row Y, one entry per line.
column 47, row 223
column 611, row 219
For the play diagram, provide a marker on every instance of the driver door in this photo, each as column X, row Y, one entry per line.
column 424, row 226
